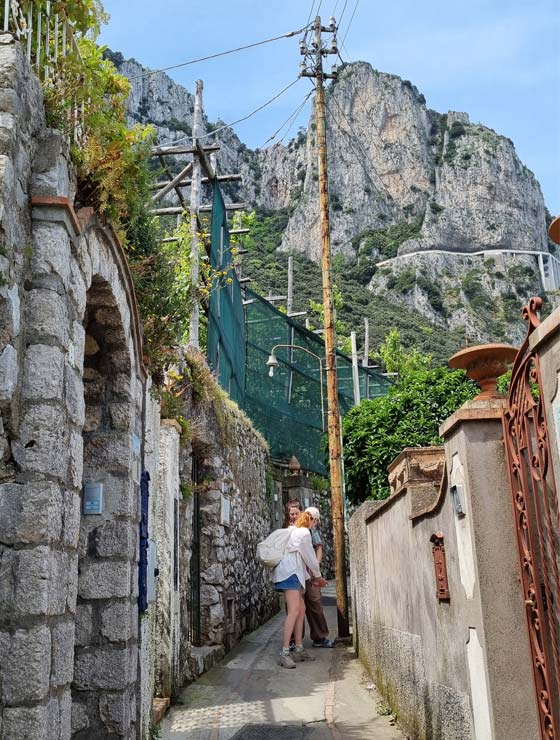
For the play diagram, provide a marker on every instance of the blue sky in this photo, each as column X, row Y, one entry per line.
column 498, row 60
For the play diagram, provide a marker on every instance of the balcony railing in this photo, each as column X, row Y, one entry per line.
column 47, row 38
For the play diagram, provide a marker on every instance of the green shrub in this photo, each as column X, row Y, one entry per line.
column 387, row 241
column 376, row 431
column 472, row 284
column 433, row 292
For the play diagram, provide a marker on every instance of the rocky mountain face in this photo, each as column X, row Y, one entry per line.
column 403, row 179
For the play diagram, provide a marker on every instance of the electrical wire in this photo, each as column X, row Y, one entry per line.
column 290, row 120
column 310, row 12
column 239, row 120
column 375, row 127
column 351, row 19
column 380, row 185
column 342, row 12
column 220, row 54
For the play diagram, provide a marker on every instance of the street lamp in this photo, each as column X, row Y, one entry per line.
column 272, row 363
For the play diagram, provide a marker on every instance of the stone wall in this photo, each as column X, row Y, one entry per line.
column 452, row 666
column 224, row 479
column 71, row 403
column 77, row 660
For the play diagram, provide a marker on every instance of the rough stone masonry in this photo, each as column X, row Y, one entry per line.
column 76, row 659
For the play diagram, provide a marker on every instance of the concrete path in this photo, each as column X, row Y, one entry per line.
column 249, row 697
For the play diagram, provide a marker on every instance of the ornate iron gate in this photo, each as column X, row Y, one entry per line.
column 537, row 522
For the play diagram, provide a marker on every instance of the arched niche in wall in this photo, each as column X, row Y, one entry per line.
column 105, row 661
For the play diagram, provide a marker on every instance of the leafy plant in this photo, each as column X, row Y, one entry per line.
column 318, row 483
column 387, row 241
column 377, row 430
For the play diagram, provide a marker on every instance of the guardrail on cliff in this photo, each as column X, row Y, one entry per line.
column 48, row 38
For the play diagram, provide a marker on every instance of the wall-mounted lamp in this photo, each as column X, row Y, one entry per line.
column 272, row 364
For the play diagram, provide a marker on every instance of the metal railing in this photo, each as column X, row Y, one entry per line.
column 48, row 38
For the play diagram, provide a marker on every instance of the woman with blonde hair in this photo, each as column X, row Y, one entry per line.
column 298, row 564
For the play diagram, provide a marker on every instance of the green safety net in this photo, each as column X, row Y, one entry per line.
column 226, row 326
column 286, row 407
column 243, row 328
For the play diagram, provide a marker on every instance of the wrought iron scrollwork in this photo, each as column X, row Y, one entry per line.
column 537, row 521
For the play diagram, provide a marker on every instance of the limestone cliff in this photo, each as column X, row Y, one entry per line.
column 402, row 179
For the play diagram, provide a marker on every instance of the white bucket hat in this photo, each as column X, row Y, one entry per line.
column 314, row 512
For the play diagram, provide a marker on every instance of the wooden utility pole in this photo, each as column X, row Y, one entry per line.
column 196, row 179
column 315, row 70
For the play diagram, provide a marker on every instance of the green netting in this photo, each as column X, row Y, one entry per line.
column 286, row 408
column 226, row 331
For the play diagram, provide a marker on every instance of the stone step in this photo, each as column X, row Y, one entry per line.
column 160, row 705
column 202, row 659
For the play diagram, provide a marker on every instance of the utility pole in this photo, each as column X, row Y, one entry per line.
column 196, row 179
column 365, row 361
column 290, row 301
column 313, row 67
column 355, row 375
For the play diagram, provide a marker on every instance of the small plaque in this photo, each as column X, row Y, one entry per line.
column 225, row 510
column 93, row 498
column 136, row 444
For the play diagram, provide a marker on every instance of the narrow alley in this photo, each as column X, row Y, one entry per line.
column 249, row 697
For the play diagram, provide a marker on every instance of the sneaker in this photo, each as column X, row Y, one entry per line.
column 325, row 643
column 301, row 655
column 286, row 661
column 292, row 647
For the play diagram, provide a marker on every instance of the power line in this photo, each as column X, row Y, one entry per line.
column 351, row 19
column 310, row 12
column 362, row 151
column 290, row 120
column 220, row 54
column 239, row 120
column 376, row 129
column 342, row 12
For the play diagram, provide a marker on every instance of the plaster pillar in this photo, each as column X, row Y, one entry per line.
column 496, row 648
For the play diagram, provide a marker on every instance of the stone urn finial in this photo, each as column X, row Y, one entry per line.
column 294, row 466
column 484, row 364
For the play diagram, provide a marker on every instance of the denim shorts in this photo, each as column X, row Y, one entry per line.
column 288, row 584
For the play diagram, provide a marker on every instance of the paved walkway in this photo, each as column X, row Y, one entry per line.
column 249, row 697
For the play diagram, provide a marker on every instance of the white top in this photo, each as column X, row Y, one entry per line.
column 300, row 553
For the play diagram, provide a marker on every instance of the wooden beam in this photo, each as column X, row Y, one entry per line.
column 294, row 314
column 170, row 239
column 205, row 162
column 239, row 231
column 170, row 211
column 205, row 180
column 245, row 280
column 163, row 151
column 174, row 210
column 229, row 207
column 165, row 168
column 172, row 184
